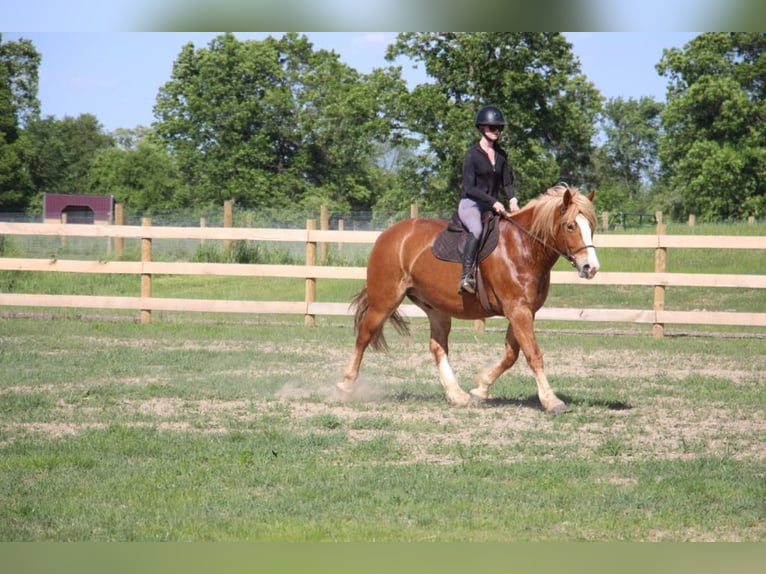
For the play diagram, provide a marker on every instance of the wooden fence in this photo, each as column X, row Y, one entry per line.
column 659, row 280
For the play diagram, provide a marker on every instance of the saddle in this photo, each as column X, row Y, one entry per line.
column 449, row 244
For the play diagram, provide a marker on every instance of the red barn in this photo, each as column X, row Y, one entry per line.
column 78, row 208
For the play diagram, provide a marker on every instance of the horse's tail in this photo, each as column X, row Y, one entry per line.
column 361, row 305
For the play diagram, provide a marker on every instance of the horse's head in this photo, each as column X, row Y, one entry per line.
column 575, row 235
column 563, row 219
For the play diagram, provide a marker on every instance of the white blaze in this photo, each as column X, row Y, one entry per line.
column 587, row 238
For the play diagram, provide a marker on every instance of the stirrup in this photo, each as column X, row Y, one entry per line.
column 467, row 285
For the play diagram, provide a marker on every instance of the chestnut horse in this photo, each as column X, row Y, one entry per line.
column 560, row 222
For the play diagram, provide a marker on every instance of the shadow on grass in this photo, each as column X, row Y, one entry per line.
column 530, row 401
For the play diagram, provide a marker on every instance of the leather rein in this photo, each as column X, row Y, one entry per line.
column 569, row 255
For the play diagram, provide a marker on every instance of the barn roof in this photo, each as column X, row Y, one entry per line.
column 55, row 203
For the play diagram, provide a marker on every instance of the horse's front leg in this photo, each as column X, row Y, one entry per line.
column 522, row 321
column 486, row 378
column 441, row 325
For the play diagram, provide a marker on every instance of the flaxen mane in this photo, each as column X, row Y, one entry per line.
column 548, row 215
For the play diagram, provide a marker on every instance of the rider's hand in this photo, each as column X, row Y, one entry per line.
column 513, row 204
column 498, row 207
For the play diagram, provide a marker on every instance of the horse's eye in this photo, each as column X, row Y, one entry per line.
column 570, row 227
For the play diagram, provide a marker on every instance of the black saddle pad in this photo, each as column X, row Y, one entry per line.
column 449, row 244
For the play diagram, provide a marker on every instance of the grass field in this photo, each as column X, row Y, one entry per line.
column 200, row 427
column 229, row 429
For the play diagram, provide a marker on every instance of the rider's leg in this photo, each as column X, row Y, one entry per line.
column 470, row 215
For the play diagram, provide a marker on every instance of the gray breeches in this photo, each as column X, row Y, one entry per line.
column 470, row 215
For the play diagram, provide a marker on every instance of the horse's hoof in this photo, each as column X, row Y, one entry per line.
column 342, row 392
column 558, row 409
column 477, row 401
column 460, row 401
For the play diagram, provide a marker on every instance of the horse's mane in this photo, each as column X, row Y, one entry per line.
column 547, row 211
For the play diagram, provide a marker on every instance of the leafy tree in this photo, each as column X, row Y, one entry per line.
column 713, row 156
column 144, row 177
column 62, row 152
column 274, row 123
column 19, row 62
column 131, row 138
column 22, row 61
column 627, row 161
column 533, row 77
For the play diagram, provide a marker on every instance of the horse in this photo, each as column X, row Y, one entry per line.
column 516, row 275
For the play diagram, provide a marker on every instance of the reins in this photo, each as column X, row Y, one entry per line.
column 569, row 255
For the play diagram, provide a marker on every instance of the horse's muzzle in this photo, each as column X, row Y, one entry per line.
column 588, row 271
column 587, row 265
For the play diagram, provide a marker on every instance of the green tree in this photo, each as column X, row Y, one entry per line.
column 144, row 176
column 534, row 78
column 713, row 154
column 62, row 152
column 22, row 62
column 274, row 123
column 627, row 161
column 19, row 62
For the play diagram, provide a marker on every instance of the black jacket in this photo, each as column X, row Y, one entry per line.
column 481, row 181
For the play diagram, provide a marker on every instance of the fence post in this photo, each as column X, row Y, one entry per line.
column 228, row 221
column 413, row 211
column 119, row 219
column 202, row 224
column 311, row 282
column 660, row 259
column 324, row 225
column 341, row 227
column 605, row 220
column 146, row 278
column 63, row 237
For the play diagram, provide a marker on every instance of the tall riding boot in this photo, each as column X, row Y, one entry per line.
column 467, row 281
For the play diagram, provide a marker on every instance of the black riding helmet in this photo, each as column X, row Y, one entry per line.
column 490, row 116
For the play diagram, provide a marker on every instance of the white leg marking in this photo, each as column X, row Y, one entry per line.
column 446, row 374
column 455, row 395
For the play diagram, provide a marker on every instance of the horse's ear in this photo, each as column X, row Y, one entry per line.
column 566, row 201
column 591, row 195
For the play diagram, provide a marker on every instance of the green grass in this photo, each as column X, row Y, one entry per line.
column 229, row 430
column 196, row 427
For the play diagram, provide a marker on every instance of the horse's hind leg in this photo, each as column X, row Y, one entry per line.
column 441, row 325
column 368, row 330
column 373, row 309
column 486, row 378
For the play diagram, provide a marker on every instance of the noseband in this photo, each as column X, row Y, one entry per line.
column 569, row 255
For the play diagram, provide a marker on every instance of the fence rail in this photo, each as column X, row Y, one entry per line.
column 311, row 272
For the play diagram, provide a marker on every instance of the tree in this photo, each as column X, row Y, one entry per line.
column 713, row 156
column 144, row 177
column 19, row 62
column 62, row 152
column 627, row 161
column 274, row 123
column 533, row 77
column 22, row 62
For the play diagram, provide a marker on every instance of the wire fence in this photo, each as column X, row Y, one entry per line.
column 278, row 253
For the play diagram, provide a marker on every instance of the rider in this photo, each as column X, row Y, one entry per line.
column 485, row 171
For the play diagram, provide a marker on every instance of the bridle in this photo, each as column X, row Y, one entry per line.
column 569, row 255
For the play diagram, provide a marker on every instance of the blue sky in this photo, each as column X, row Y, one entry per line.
column 116, row 75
